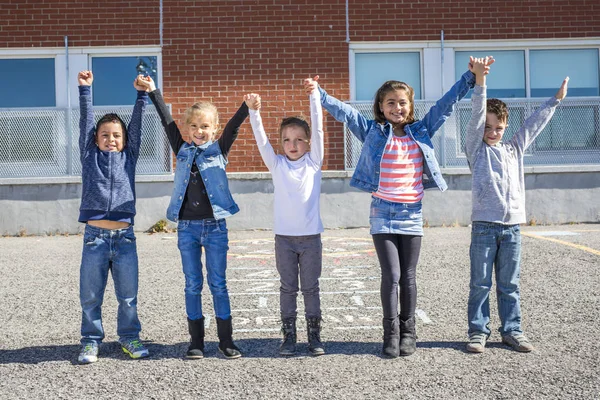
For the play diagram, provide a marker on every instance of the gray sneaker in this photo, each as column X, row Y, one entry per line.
column 477, row 342
column 518, row 342
column 88, row 353
column 135, row 348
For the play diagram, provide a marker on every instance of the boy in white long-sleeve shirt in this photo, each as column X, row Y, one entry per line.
column 498, row 197
column 298, row 250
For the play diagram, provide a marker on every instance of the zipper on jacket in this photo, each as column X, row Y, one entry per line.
column 111, row 175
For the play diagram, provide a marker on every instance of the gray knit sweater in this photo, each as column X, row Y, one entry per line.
column 498, row 190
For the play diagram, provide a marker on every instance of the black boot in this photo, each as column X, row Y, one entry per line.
column 408, row 337
column 313, row 328
column 288, row 328
column 226, row 346
column 391, row 338
column 196, row 328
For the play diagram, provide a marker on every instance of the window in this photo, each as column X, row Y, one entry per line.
column 508, row 77
column 526, row 73
column 113, row 78
column 535, row 75
column 373, row 69
column 39, row 118
column 27, row 82
column 548, row 68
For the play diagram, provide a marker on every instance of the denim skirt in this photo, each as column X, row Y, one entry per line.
column 396, row 218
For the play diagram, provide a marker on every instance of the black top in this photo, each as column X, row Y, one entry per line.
column 196, row 204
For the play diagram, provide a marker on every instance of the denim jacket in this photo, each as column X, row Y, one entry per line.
column 108, row 177
column 211, row 164
column 374, row 136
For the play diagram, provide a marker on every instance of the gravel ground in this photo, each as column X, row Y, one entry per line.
column 40, row 317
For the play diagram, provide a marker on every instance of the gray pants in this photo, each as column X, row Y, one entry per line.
column 299, row 256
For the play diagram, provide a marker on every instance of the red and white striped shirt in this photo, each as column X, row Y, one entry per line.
column 401, row 174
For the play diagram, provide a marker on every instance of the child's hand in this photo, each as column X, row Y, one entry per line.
column 137, row 84
column 480, row 66
column 144, row 83
column 311, row 84
column 85, row 78
column 252, row 101
column 562, row 92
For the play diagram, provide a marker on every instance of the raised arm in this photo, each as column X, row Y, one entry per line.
column 87, row 137
column 535, row 124
column 317, row 147
column 267, row 153
column 476, row 126
column 442, row 109
column 341, row 111
column 134, row 130
column 232, row 128
column 166, row 118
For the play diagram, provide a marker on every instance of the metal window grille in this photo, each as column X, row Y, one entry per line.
column 571, row 137
column 43, row 142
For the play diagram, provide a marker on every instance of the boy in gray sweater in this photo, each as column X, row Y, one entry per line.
column 498, row 197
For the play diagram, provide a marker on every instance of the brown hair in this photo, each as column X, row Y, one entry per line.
column 202, row 107
column 391, row 86
column 497, row 107
column 298, row 121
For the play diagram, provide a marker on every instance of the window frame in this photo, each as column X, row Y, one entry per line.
column 66, row 101
column 438, row 75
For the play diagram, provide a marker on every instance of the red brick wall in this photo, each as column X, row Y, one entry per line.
column 228, row 48
column 404, row 20
column 220, row 50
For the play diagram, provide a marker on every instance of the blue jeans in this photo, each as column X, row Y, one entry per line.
column 498, row 244
column 107, row 250
column 211, row 234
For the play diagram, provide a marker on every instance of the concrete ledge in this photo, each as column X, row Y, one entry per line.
column 533, row 169
column 553, row 195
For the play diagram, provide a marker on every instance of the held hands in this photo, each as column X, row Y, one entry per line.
column 311, row 84
column 562, row 92
column 144, row 83
column 252, row 101
column 480, row 66
column 85, row 78
column 137, row 85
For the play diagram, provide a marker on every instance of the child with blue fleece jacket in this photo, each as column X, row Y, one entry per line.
column 109, row 153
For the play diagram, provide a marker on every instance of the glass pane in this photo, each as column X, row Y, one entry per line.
column 548, row 68
column 507, row 76
column 373, row 69
column 27, row 82
column 113, row 78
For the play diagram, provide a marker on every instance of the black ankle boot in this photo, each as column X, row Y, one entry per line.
column 288, row 328
column 196, row 329
column 391, row 338
column 408, row 337
column 313, row 328
column 226, row 346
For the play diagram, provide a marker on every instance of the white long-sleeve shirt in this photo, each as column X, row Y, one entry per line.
column 297, row 183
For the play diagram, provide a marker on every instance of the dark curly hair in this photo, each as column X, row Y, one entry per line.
column 497, row 107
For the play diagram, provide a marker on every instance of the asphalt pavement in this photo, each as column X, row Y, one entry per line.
column 560, row 297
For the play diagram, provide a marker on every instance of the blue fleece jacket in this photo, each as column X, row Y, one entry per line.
column 108, row 177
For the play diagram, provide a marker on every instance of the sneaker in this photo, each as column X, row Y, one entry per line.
column 135, row 348
column 88, row 353
column 518, row 342
column 477, row 342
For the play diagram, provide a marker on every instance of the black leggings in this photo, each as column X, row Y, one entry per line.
column 398, row 256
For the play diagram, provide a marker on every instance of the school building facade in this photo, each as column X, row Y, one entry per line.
column 221, row 50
